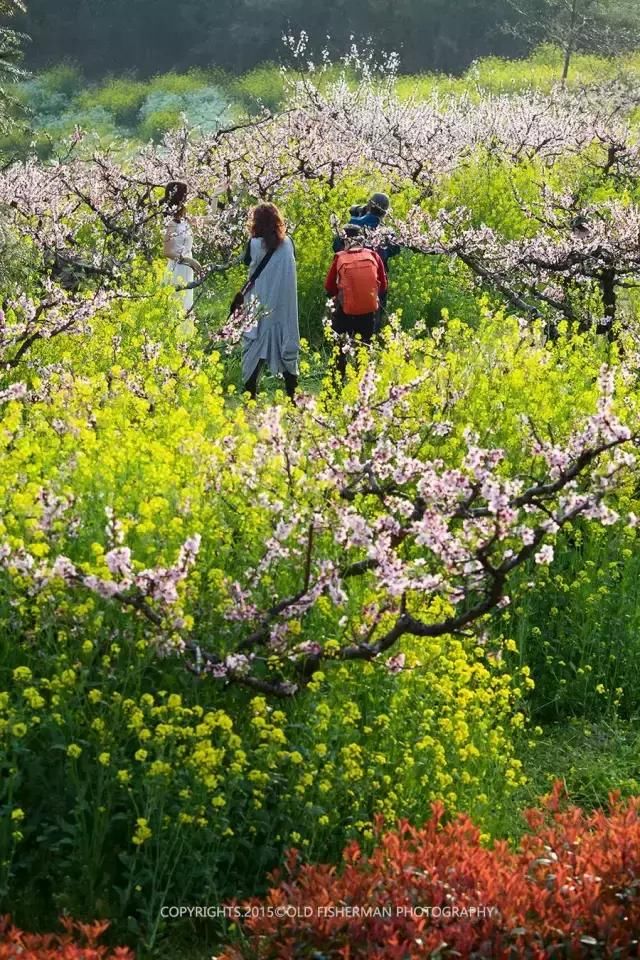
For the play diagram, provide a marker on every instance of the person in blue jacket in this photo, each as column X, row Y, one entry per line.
column 369, row 217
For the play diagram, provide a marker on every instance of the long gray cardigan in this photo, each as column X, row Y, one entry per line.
column 276, row 337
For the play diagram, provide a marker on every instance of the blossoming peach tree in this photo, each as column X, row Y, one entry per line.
column 403, row 540
column 579, row 249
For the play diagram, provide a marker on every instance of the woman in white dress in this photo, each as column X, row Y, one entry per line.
column 178, row 242
column 275, row 339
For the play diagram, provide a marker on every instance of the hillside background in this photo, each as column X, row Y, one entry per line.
column 157, row 36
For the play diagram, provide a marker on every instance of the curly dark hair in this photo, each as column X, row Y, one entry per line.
column 175, row 196
column 266, row 222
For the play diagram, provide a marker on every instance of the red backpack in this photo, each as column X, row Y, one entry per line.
column 357, row 279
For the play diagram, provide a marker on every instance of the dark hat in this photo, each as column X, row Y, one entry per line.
column 379, row 202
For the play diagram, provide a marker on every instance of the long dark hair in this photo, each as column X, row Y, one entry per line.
column 175, row 197
column 267, row 223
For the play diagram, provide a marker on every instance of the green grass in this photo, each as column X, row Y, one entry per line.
column 591, row 760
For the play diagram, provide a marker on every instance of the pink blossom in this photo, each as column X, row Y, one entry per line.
column 396, row 664
column 544, row 556
column 64, row 568
column 119, row 561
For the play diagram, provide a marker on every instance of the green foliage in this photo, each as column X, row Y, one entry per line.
column 593, row 759
column 11, row 42
column 541, row 71
column 98, row 121
column 609, row 27
column 65, row 78
column 17, row 260
column 153, row 35
column 581, row 664
column 146, row 110
column 205, row 108
column 46, row 103
column 262, row 86
column 158, row 122
column 122, row 97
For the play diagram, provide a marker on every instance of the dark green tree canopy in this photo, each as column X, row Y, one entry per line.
column 155, row 36
column 150, row 36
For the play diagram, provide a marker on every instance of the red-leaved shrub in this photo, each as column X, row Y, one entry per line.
column 572, row 889
column 78, row 942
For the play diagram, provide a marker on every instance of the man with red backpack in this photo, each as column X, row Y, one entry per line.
column 356, row 280
column 370, row 217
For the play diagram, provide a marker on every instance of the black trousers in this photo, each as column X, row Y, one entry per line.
column 290, row 382
column 382, row 312
column 351, row 326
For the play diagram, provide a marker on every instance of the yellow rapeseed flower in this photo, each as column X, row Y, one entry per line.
column 142, row 832
column 22, row 674
column 159, row 768
column 33, row 698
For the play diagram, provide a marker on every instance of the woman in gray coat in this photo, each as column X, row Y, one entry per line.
column 275, row 339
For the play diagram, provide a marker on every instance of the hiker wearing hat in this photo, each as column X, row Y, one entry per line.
column 356, row 280
column 369, row 217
